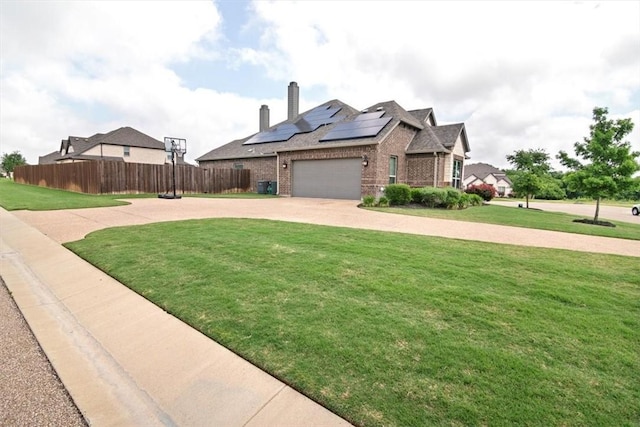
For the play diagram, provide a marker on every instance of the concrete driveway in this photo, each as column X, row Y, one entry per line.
column 69, row 225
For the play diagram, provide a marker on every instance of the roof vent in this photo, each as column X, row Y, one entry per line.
column 379, row 108
column 366, row 110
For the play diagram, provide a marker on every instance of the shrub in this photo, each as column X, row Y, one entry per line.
column 465, row 200
column 551, row 190
column 452, row 198
column 398, row 194
column 475, row 200
column 416, row 195
column 383, row 202
column 486, row 191
column 368, row 201
column 433, row 197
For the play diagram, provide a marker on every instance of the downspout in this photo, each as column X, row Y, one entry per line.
column 278, row 173
column 435, row 172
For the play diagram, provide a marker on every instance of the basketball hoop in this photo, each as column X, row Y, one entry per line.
column 175, row 146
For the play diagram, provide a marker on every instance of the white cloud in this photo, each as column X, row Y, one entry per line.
column 519, row 74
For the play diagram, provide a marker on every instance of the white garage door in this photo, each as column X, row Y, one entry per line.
column 327, row 179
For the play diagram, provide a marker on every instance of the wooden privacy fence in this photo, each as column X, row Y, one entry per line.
column 105, row 177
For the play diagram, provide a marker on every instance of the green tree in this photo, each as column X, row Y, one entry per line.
column 606, row 163
column 531, row 167
column 10, row 161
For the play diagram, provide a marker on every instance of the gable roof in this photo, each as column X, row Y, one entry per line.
column 75, row 146
column 483, row 170
column 425, row 116
column 429, row 138
column 438, row 139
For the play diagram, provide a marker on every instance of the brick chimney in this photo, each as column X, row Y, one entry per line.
column 293, row 100
column 264, row 118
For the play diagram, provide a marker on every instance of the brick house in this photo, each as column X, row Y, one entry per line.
column 124, row 144
column 337, row 151
column 483, row 173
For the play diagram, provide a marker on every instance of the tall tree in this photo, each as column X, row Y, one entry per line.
column 10, row 161
column 606, row 163
column 531, row 167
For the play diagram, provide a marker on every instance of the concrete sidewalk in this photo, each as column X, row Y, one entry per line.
column 125, row 361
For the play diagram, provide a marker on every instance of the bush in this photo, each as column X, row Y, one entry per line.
column 475, row 200
column 486, row 191
column 433, row 197
column 398, row 194
column 551, row 190
column 383, row 202
column 416, row 195
column 452, row 198
column 368, row 201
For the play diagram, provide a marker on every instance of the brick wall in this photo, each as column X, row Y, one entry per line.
column 377, row 174
column 417, row 170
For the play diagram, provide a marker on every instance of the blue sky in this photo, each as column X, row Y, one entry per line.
column 519, row 74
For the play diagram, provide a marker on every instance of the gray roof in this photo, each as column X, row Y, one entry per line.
column 397, row 112
column 124, row 136
column 425, row 116
column 428, row 138
column 438, row 139
column 483, row 170
column 48, row 159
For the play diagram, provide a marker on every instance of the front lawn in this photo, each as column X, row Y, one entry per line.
column 527, row 218
column 15, row 196
column 388, row 329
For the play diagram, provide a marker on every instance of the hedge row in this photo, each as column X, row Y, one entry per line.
column 431, row 197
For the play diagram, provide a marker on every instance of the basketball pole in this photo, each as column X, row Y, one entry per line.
column 173, row 163
column 177, row 147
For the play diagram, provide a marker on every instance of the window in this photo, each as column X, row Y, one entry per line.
column 457, row 173
column 393, row 169
column 127, row 151
column 501, row 190
column 238, row 165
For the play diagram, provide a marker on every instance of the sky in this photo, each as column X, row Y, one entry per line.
column 520, row 75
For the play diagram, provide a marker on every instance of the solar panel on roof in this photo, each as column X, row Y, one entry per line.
column 309, row 122
column 356, row 129
column 370, row 116
column 276, row 135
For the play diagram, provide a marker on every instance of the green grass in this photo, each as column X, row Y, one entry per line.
column 388, row 329
column 15, row 196
column 527, row 218
column 591, row 202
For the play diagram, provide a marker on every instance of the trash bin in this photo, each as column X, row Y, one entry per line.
column 272, row 188
column 262, row 187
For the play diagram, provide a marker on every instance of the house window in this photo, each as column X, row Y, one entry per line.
column 127, row 151
column 501, row 190
column 393, row 169
column 238, row 165
column 457, row 173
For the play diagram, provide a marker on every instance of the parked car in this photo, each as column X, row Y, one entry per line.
column 636, row 209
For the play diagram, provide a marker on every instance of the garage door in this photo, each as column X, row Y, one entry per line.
column 327, row 179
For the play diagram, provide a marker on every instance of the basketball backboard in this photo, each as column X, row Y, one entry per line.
column 175, row 145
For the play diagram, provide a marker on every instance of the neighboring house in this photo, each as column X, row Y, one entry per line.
column 337, row 151
column 482, row 173
column 124, row 145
